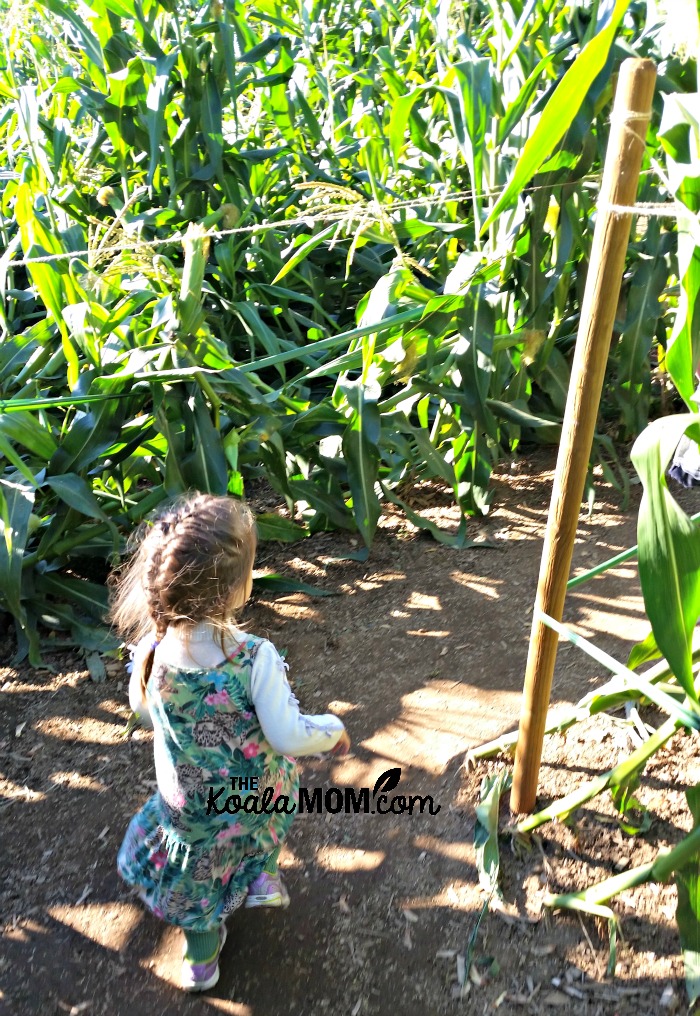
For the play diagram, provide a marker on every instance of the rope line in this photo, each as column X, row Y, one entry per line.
column 652, row 209
column 629, row 116
column 369, row 211
column 348, row 213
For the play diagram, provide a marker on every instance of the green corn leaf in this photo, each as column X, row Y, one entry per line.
column 206, row 466
column 688, row 908
column 401, row 108
column 429, row 461
column 274, row 527
column 211, row 123
column 88, row 436
column 486, row 830
column 625, row 802
column 333, row 508
column 20, row 405
column 8, row 451
column 53, row 285
column 458, row 540
column 23, row 429
column 96, row 667
column 189, row 308
column 517, row 413
column 28, row 116
column 172, row 429
column 361, row 452
column 157, row 103
column 668, row 549
column 77, row 493
column 560, row 111
column 517, row 108
column 474, row 90
column 83, row 634
column 554, row 379
column 88, row 597
column 684, row 345
column 679, row 133
column 337, row 341
column 259, row 331
column 122, row 8
column 28, row 642
column 639, row 328
column 16, row 504
column 88, row 40
column 643, row 652
column 302, row 252
column 279, row 584
column 688, row 920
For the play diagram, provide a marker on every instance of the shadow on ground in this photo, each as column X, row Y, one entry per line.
column 422, row 653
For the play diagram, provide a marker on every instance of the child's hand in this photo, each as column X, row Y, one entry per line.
column 343, row 745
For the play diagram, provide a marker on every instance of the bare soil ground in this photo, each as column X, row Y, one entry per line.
column 423, row 654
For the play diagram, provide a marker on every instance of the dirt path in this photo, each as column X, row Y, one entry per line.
column 423, row 655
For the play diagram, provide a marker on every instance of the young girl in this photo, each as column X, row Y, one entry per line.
column 222, row 714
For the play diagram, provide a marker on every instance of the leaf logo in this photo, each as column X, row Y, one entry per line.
column 387, row 781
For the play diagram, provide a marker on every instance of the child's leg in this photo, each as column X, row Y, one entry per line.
column 271, row 863
column 200, row 964
column 201, row 946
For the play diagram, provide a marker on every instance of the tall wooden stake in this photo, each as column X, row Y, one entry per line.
column 628, row 128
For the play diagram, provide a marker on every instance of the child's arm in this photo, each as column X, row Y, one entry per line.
column 289, row 731
column 136, row 699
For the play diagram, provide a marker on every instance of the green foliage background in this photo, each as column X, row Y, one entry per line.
column 431, row 172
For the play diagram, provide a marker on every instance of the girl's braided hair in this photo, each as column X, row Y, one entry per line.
column 191, row 563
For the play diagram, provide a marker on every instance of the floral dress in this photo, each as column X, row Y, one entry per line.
column 192, row 868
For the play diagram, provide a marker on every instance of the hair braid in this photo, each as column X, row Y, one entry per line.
column 151, row 583
column 151, row 589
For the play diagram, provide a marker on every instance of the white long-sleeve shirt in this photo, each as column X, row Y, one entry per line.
column 288, row 730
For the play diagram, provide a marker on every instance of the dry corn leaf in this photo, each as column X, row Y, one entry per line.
column 84, row 895
column 543, row 950
column 475, row 977
column 556, row 998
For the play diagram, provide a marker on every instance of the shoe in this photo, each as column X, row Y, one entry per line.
column 267, row 891
column 202, row 976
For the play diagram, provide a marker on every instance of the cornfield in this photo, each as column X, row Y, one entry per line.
column 342, row 249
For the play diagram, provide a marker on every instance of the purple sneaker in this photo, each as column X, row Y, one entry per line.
column 202, row 976
column 267, row 891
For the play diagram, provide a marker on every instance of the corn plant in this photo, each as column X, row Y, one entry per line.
column 669, row 559
column 669, row 567
column 408, row 315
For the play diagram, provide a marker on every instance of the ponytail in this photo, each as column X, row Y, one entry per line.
column 144, row 666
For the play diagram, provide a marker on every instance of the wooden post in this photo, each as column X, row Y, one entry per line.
column 628, row 128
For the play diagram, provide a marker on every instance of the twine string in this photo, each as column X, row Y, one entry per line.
column 364, row 212
column 652, row 209
column 673, row 209
column 368, row 211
